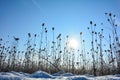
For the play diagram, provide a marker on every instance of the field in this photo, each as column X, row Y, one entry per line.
column 59, row 40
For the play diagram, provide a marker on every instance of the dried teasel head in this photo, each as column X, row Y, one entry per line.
column 83, row 40
column 101, row 29
column 95, row 40
column 0, row 39
column 88, row 28
column 16, row 39
column 114, row 15
column 59, row 36
column 46, row 30
column 53, row 28
column 105, row 50
column 95, row 25
column 60, row 52
column 35, row 35
column 29, row 35
column 43, row 24
column 108, row 20
column 80, row 33
column 90, row 22
column 67, row 36
column 95, row 32
column 14, row 47
column 110, row 14
column 116, row 25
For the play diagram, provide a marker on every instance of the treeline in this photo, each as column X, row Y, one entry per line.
column 56, row 56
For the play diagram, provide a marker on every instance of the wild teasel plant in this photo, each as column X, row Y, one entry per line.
column 59, row 52
column 14, row 52
column 116, row 47
column 82, row 52
column 91, row 29
column 100, row 34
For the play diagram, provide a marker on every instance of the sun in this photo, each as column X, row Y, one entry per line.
column 73, row 43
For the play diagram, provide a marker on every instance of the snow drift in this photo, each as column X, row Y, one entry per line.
column 41, row 75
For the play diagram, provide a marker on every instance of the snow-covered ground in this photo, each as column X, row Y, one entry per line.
column 41, row 75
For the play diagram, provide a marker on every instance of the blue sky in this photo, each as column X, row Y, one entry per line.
column 69, row 17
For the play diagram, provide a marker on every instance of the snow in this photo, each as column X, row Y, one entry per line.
column 68, row 74
column 41, row 75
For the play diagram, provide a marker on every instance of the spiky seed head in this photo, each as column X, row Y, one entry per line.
column 43, row 24
column 53, row 28
column 116, row 25
column 0, row 39
column 67, row 36
column 53, row 42
column 80, row 33
column 90, row 22
column 114, row 15
column 92, row 42
column 95, row 32
column 59, row 35
column 97, row 47
column 35, row 35
column 105, row 50
column 95, row 25
column 60, row 52
column 14, row 47
column 110, row 14
column 83, row 40
column 88, row 28
column 46, row 31
column 109, row 51
column 95, row 40
column 16, row 39
column 116, row 38
column 29, row 35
